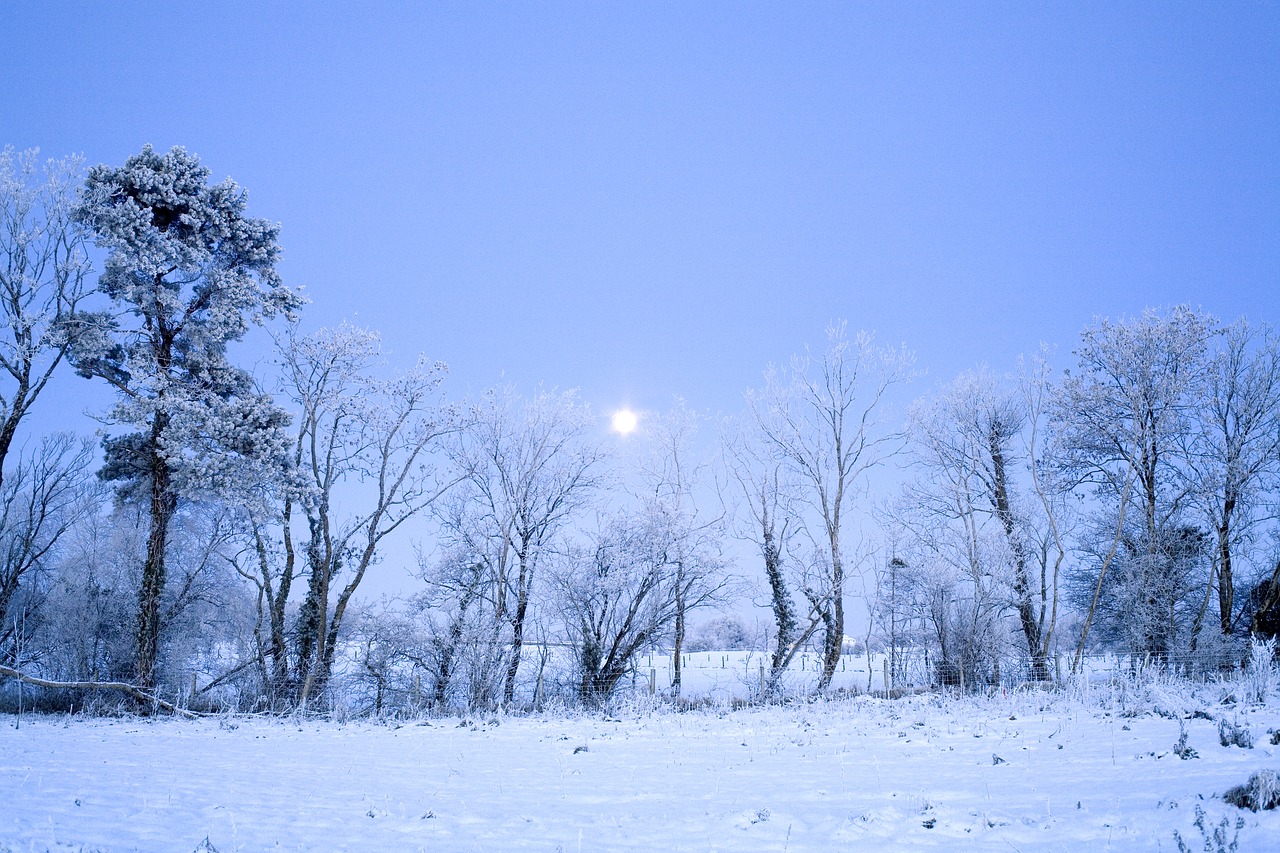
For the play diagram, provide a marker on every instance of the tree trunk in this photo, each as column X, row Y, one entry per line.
column 313, row 620
column 444, row 666
column 833, row 640
column 143, row 698
column 1027, row 615
column 275, row 599
column 784, row 617
column 1102, row 574
column 517, row 635
column 1226, row 582
column 279, row 639
column 678, row 646
column 1269, row 600
column 164, row 503
column 8, row 587
column 17, row 408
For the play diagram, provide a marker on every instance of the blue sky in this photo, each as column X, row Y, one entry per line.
column 651, row 199
column 644, row 200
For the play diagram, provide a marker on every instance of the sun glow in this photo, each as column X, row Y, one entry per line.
column 624, row 421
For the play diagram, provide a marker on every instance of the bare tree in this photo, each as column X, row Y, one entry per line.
column 954, row 569
column 38, row 504
column 377, row 435
column 457, row 620
column 270, row 567
column 771, row 524
column 44, row 269
column 525, row 468
column 966, row 441
column 1036, row 390
column 1235, row 452
column 621, row 593
column 889, row 606
column 672, row 477
column 88, row 611
column 1121, row 419
column 323, row 375
column 387, row 640
column 819, row 419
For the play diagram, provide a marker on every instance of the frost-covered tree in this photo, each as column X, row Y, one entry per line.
column 1120, row 420
column 723, row 633
column 950, row 575
column 1234, row 453
column 671, row 476
column 965, row 440
column 44, row 271
column 187, row 273
column 525, row 468
column 91, row 604
column 1051, row 497
column 819, row 420
column 620, row 593
column 769, row 519
column 355, row 428
column 39, row 502
column 1149, row 594
column 457, row 655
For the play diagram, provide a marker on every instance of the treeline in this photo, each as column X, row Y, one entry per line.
column 1130, row 502
column 209, row 552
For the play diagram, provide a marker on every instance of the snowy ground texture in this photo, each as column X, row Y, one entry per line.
column 1020, row 771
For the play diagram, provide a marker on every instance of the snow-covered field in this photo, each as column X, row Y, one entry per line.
column 1022, row 771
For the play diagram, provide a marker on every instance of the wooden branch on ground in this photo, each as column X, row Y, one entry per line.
column 124, row 687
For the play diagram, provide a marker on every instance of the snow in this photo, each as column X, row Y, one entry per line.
column 1089, row 770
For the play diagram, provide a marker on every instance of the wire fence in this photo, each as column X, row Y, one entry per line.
column 744, row 674
column 717, row 676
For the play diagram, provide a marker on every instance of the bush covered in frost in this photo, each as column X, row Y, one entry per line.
column 1262, row 791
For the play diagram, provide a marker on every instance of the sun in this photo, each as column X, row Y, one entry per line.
column 624, row 421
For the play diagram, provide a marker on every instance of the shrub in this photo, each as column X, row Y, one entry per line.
column 1215, row 840
column 1262, row 791
column 1260, row 672
column 1234, row 734
column 724, row 633
column 1181, row 749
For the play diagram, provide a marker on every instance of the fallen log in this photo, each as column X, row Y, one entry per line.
column 121, row 686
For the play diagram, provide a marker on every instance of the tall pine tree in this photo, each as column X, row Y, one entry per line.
column 187, row 273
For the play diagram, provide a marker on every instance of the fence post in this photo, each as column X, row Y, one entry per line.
column 653, row 681
column 762, row 682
